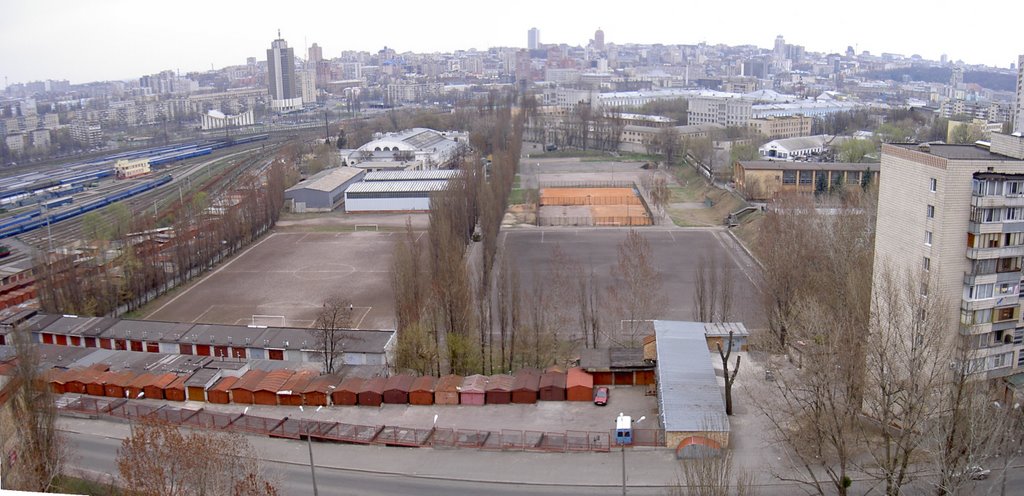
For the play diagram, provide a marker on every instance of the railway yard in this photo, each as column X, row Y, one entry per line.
column 44, row 208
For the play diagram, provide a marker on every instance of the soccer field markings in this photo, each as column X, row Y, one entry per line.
column 211, row 274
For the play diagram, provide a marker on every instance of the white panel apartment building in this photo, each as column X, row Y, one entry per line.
column 956, row 214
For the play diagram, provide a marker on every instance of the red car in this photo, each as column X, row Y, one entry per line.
column 601, row 396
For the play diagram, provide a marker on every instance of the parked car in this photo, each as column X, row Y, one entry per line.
column 975, row 472
column 601, row 396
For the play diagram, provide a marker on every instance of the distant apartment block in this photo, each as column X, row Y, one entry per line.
column 793, row 126
column 87, row 133
column 1018, row 104
column 15, row 142
column 955, row 213
column 722, row 111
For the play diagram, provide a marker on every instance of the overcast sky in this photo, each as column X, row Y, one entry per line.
column 122, row 39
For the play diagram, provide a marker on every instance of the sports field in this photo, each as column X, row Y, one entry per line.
column 284, row 278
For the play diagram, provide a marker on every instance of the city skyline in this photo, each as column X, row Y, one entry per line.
column 196, row 37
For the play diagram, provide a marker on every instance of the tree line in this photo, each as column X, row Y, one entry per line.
column 875, row 379
column 133, row 257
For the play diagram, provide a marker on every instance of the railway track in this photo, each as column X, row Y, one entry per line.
column 186, row 177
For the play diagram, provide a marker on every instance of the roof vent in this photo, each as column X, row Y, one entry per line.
column 924, row 147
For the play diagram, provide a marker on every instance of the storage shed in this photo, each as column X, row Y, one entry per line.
column 397, row 388
column 318, row 391
column 58, row 378
column 136, row 388
column 499, row 389
column 446, row 391
column 552, row 386
column 95, row 383
column 155, row 389
column 473, row 390
column 291, row 393
column 117, row 382
column 201, row 380
column 348, row 392
column 175, row 391
column 526, row 387
column 266, row 392
column 579, row 385
column 220, row 393
column 242, row 391
column 372, row 391
column 422, row 391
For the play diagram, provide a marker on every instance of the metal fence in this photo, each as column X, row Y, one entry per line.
column 288, row 428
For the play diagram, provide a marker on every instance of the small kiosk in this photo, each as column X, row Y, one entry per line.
column 623, row 429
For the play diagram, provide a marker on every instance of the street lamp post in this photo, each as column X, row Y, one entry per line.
column 309, row 444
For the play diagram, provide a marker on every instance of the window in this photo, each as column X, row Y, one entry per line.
column 1006, row 289
column 1014, row 188
column 976, row 317
column 927, row 264
column 789, row 177
column 980, row 291
column 1009, row 264
column 931, row 211
column 987, row 214
column 806, row 177
column 928, row 238
column 1004, row 314
column 1013, row 239
column 933, row 184
column 1013, row 213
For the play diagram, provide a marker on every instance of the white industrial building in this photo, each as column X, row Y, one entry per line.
column 416, row 148
column 391, row 196
column 795, row 148
column 323, row 191
column 216, row 119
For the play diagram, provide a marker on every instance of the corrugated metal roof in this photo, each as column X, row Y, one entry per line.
column 500, row 382
column 474, row 384
column 689, row 397
column 448, row 383
column 397, row 187
column 412, row 175
column 327, row 180
column 723, row 328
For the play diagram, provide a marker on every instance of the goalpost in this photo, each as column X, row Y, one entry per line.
column 268, row 320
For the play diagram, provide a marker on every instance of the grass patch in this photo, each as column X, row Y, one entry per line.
column 516, row 196
column 695, row 188
column 571, row 154
column 74, row 485
column 517, row 182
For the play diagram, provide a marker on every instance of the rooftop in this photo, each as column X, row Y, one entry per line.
column 689, row 396
column 956, row 152
column 397, row 187
column 328, row 180
column 832, row 166
column 411, row 175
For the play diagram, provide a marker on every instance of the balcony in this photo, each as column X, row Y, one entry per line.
column 974, row 227
column 995, row 201
column 1002, row 252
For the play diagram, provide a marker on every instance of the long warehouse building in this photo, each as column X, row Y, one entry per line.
column 391, row 196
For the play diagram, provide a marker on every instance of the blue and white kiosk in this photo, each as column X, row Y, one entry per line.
column 623, row 429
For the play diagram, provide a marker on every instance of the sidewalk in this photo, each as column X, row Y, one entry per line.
column 645, row 467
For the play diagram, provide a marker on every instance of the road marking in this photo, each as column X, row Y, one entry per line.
column 207, row 276
column 361, row 319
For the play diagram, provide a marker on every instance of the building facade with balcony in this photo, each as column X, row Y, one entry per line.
column 954, row 214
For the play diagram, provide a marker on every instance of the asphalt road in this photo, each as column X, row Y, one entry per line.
column 97, row 454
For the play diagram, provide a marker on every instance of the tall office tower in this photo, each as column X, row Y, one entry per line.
column 1018, row 111
column 316, row 54
column 952, row 214
column 599, row 39
column 780, row 48
column 533, row 39
column 956, row 79
column 281, row 76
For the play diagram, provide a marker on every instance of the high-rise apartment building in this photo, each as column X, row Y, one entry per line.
column 285, row 95
column 1018, row 109
column 533, row 39
column 955, row 215
column 599, row 39
column 316, row 54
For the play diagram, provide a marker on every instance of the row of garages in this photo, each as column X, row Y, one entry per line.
column 304, row 387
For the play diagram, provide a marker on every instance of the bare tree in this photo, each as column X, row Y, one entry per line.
column 40, row 450
column 335, row 315
column 159, row 459
column 636, row 291
column 730, row 376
